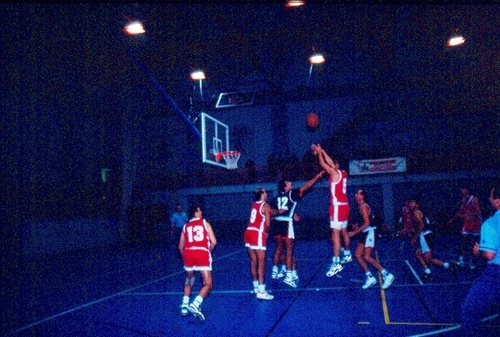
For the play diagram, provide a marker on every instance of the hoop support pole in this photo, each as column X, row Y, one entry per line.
column 167, row 98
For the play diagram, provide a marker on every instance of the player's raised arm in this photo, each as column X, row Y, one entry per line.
column 325, row 161
column 311, row 182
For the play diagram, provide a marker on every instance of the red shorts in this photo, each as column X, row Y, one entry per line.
column 471, row 226
column 197, row 259
column 339, row 216
column 255, row 239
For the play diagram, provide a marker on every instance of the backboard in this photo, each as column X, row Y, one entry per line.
column 214, row 139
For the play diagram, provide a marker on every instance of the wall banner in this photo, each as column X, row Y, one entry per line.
column 375, row 166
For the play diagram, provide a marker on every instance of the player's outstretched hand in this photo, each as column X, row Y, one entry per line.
column 315, row 148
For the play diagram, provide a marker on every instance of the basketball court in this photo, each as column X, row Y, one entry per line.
column 137, row 291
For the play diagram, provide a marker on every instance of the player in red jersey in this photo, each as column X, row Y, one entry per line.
column 196, row 244
column 470, row 214
column 255, row 239
column 339, row 209
column 407, row 228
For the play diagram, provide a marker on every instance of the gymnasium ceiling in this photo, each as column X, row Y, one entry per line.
column 263, row 47
column 368, row 46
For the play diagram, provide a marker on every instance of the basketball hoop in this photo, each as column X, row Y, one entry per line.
column 231, row 158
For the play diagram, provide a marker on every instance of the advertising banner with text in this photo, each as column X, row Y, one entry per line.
column 376, row 166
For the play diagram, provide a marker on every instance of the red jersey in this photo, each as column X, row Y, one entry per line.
column 257, row 218
column 255, row 236
column 338, row 189
column 470, row 211
column 407, row 218
column 196, row 235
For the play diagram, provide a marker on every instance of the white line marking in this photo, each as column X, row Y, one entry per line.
column 489, row 318
column 107, row 298
column 414, row 273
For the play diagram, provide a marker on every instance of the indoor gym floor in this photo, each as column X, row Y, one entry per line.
column 136, row 291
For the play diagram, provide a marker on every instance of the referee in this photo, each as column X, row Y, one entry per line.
column 483, row 298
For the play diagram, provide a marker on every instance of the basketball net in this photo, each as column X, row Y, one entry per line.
column 230, row 157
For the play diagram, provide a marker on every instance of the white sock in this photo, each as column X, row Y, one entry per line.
column 427, row 271
column 347, row 252
column 262, row 288
column 255, row 283
column 368, row 274
column 197, row 301
column 275, row 269
column 289, row 273
column 384, row 272
column 185, row 299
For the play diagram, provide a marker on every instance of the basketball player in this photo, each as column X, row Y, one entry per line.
column 407, row 229
column 196, row 244
column 286, row 202
column 470, row 214
column 338, row 210
column 426, row 239
column 255, row 239
column 366, row 231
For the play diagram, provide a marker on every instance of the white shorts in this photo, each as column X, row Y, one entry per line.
column 338, row 224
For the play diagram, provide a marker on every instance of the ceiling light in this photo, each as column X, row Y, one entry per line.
column 134, row 28
column 294, row 3
column 197, row 75
column 455, row 41
column 316, row 59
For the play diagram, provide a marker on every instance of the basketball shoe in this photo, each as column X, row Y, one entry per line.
column 195, row 310
column 334, row 269
column 290, row 282
column 264, row 295
column 370, row 281
column 387, row 281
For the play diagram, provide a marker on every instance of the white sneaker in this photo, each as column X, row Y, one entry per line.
column 184, row 309
column 290, row 282
column 346, row 259
column 276, row 275
column 196, row 312
column 264, row 295
column 334, row 269
column 370, row 281
column 387, row 281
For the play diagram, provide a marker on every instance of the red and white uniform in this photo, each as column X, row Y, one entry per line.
column 470, row 211
column 339, row 203
column 408, row 227
column 255, row 236
column 196, row 253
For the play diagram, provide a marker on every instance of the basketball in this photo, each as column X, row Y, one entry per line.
column 312, row 120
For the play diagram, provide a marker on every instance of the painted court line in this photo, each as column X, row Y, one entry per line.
column 26, row 327
column 414, row 272
column 455, row 327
